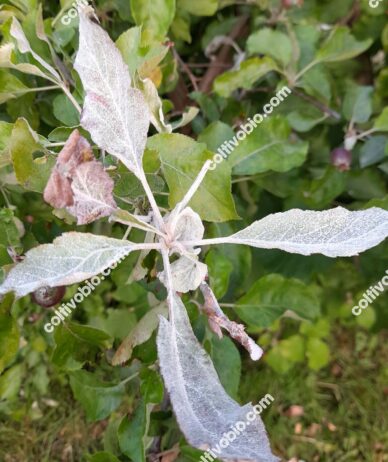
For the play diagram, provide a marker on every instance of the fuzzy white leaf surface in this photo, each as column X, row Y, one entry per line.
column 72, row 257
column 334, row 233
column 187, row 274
column 187, row 225
column 202, row 407
column 116, row 115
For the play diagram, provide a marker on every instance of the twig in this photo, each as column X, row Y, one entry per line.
column 222, row 57
column 186, row 69
column 322, row 107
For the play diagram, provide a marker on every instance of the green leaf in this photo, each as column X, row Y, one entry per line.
column 316, row 82
column 9, row 232
column 182, row 158
column 286, row 353
column 151, row 386
column 132, row 433
column 224, row 352
column 381, row 123
column 155, row 16
column 273, row 295
column 9, row 340
column 373, row 151
column 141, row 56
column 10, row 86
column 215, row 134
column 10, row 382
column 272, row 43
column 341, row 45
column 220, row 269
column 357, row 105
column 76, row 343
column 103, row 457
column 268, row 147
column 32, row 173
column 99, row 399
column 249, row 72
column 199, row 7
column 65, row 111
column 318, row 353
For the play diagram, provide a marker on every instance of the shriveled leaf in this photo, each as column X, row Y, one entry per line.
column 93, row 193
column 58, row 192
column 115, row 114
column 187, row 274
column 334, row 233
column 140, row 334
column 203, row 409
column 72, row 257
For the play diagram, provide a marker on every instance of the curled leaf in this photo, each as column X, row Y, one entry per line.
column 80, row 183
column 187, row 274
column 93, row 193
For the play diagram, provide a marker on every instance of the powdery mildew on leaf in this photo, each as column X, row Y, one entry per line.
column 93, row 193
column 334, row 233
column 115, row 114
column 187, row 274
column 203, row 409
column 72, row 257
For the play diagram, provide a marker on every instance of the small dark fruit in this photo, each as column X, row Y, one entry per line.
column 48, row 296
column 341, row 158
column 291, row 3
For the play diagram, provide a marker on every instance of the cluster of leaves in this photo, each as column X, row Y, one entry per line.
column 284, row 164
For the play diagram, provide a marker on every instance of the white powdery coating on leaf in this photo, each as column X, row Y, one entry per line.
column 334, row 233
column 115, row 114
column 189, row 226
column 72, row 257
column 93, row 193
column 203, row 409
column 187, row 274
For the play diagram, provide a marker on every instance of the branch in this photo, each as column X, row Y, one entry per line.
column 223, row 57
column 322, row 107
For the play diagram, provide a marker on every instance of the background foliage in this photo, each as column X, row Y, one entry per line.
column 60, row 397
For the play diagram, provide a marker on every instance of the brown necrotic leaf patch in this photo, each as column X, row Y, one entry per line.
column 79, row 182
